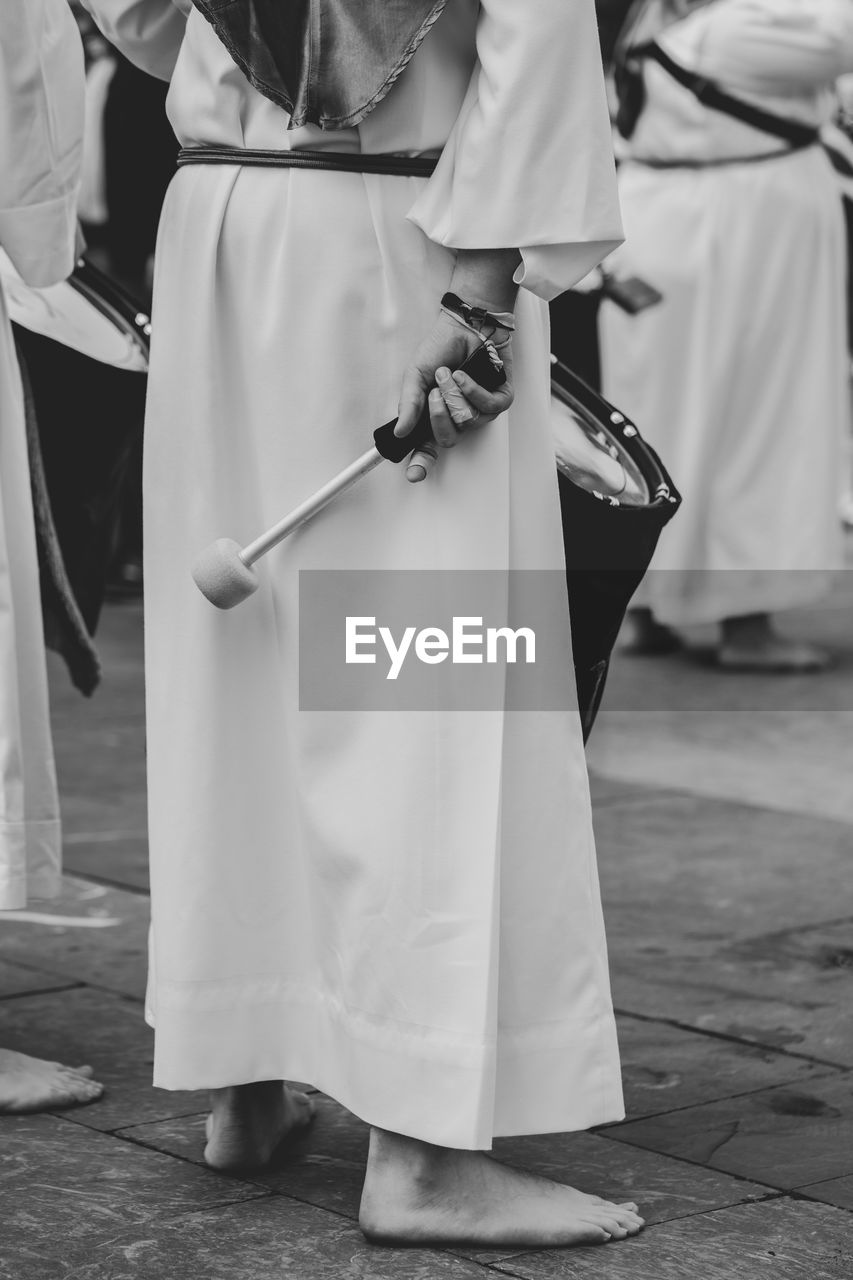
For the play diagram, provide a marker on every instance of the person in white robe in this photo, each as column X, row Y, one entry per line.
column 401, row 908
column 739, row 377
column 41, row 126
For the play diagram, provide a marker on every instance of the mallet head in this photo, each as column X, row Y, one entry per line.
column 221, row 575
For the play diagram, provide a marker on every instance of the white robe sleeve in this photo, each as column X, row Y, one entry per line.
column 41, row 137
column 529, row 163
column 778, row 47
column 148, row 32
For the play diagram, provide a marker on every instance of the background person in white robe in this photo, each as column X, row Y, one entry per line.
column 402, row 908
column 739, row 376
column 41, row 127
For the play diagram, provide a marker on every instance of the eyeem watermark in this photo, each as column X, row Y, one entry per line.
column 427, row 640
column 468, row 641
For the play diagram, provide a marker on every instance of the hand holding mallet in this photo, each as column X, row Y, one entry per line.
column 224, row 573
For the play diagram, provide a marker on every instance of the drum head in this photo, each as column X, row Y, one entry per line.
column 591, row 455
column 81, row 313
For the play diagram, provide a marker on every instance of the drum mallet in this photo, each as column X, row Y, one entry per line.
column 224, row 574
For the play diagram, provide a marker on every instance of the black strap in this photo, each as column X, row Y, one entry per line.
column 343, row 161
column 711, row 95
column 719, row 162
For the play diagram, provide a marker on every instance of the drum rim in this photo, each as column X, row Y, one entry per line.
column 113, row 302
column 571, row 389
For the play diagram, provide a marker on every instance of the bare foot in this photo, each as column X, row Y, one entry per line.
column 643, row 636
column 418, row 1194
column 750, row 643
column 247, row 1123
column 31, row 1084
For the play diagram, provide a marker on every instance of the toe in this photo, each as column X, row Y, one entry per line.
column 608, row 1223
column 612, row 1229
column 83, row 1071
column 86, row 1090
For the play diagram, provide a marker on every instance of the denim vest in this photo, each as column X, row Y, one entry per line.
column 327, row 62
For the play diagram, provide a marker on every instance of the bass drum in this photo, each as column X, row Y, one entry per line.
column 616, row 498
column 83, row 347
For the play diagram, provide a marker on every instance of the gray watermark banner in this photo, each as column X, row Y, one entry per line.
column 456, row 640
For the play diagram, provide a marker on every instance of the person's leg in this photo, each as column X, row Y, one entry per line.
column 415, row 1193
column 247, row 1123
column 750, row 642
column 32, row 1084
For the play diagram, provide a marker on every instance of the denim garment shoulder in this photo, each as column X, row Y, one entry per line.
column 326, row 62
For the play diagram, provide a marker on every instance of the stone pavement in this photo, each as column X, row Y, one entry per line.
column 724, row 814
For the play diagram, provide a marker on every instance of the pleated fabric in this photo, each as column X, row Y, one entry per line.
column 400, row 907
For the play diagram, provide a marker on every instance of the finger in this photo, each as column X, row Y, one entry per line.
column 490, row 403
column 461, row 412
column 421, row 463
column 445, row 433
column 412, row 398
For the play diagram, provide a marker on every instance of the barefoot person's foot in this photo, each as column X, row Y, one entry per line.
column 31, row 1084
column 249, row 1121
column 751, row 644
column 643, row 636
column 418, row 1194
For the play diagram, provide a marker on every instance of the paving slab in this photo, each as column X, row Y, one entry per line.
column 17, row 979
column 790, row 989
column 786, row 1137
column 795, row 759
column 779, row 1240
column 66, row 1187
column 665, row 1068
column 837, row 1191
column 107, row 1031
column 684, row 872
column 776, row 742
column 663, row 1187
column 95, row 934
column 99, row 744
column 267, row 1239
column 325, row 1167
column 117, row 858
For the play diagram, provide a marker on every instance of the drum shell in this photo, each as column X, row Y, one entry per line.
column 608, row 549
column 89, row 417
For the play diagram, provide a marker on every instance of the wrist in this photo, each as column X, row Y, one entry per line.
column 492, row 327
column 484, row 278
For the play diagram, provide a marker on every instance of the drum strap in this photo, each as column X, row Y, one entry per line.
column 794, row 132
column 342, row 161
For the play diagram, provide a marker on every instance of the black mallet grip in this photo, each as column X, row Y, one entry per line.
column 478, row 366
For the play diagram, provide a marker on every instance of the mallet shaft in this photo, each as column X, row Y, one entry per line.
column 298, row 516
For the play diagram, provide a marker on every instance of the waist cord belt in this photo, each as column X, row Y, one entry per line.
column 342, row 161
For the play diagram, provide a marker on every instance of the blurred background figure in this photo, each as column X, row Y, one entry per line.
column 740, row 375
column 130, row 156
column 838, row 136
column 41, row 123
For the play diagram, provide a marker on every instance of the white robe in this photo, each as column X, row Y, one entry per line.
column 739, row 376
column 429, row 951
column 41, row 129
